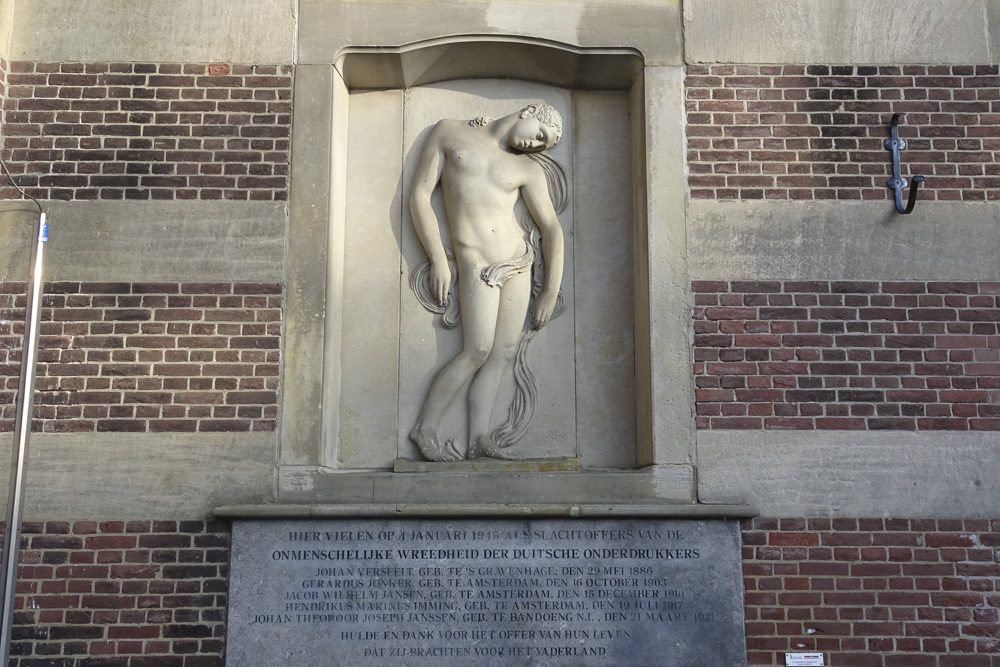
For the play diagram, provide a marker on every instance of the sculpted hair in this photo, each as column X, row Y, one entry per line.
column 546, row 115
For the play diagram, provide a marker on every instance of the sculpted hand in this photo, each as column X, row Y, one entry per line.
column 440, row 280
column 543, row 311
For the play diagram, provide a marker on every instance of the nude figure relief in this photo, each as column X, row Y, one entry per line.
column 499, row 267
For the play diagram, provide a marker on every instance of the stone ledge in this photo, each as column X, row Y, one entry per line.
column 488, row 465
column 402, row 510
column 309, row 485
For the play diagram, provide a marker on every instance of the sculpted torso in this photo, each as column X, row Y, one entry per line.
column 480, row 186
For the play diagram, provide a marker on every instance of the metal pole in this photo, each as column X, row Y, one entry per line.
column 22, row 432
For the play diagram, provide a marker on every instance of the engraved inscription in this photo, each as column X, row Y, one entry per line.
column 600, row 593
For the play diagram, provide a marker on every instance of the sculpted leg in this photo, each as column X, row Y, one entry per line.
column 478, row 304
column 513, row 309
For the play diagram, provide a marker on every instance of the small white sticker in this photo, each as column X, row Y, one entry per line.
column 803, row 659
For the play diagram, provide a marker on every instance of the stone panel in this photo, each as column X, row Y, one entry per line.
column 993, row 25
column 309, row 273
column 843, row 240
column 663, row 237
column 370, row 334
column 851, row 474
column 129, row 476
column 155, row 31
column 156, row 241
column 605, row 347
column 6, row 7
column 837, row 31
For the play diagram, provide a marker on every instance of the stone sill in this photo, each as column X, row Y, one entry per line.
column 414, row 510
column 653, row 486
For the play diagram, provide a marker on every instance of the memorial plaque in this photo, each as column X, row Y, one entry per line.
column 454, row 593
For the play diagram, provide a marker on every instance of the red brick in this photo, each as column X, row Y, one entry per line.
column 956, row 600
column 900, row 599
column 111, row 542
column 939, row 540
column 793, row 539
column 891, row 629
column 134, row 632
column 932, row 630
column 81, row 384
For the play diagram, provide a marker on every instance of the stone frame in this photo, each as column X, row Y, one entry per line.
column 314, row 282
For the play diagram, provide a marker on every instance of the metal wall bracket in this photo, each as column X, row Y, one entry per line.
column 897, row 182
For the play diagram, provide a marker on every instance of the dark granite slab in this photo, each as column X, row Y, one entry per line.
column 454, row 593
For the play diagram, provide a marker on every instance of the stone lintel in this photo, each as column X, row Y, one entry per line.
column 651, row 27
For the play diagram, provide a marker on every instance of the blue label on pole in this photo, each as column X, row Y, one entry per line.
column 43, row 233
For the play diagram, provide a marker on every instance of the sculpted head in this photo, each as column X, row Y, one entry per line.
column 538, row 128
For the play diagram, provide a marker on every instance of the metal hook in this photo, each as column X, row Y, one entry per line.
column 897, row 182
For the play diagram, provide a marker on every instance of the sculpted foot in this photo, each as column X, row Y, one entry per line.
column 426, row 438
column 451, row 449
column 483, row 447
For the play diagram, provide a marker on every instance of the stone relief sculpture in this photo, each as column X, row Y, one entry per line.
column 498, row 268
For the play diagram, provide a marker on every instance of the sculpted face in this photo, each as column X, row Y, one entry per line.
column 530, row 135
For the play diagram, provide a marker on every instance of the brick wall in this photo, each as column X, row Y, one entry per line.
column 847, row 355
column 161, row 357
column 816, row 132
column 866, row 592
column 148, row 131
column 873, row 592
column 115, row 593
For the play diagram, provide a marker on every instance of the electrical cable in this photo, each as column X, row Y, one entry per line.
column 24, row 194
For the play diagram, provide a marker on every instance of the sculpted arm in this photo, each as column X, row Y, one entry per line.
column 536, row 197
column 425, row 222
